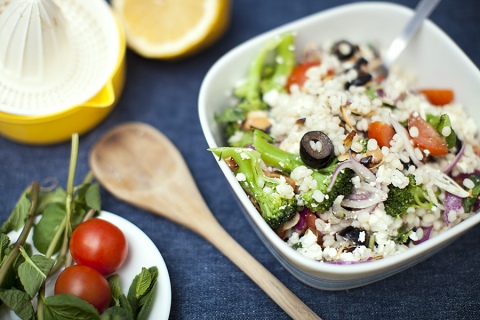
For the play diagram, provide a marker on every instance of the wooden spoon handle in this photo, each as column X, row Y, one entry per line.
column 288, row 301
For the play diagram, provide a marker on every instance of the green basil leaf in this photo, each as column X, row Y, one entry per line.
column 125, row 304
column 88, row 196
column 19, row 302
column 143, row 283
column 92, row 197
column 118, row 297
column 33, row 272
column 131, row 296
column 146, row 303
column 141, row 292
column 10, row 281
column 114, row 282
column 69, row 307
column 48, row 225
column 17, row 217
column 59, row 195
column 116, row 313
column 4, row 243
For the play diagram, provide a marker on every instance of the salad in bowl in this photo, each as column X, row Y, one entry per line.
column 344, row 164
column 347, row 174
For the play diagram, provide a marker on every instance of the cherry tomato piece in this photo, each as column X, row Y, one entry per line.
column 427, row 137
column 99, row 244
column 87, row 284
column 298, row 75
column 438, row 97
column 381, row 132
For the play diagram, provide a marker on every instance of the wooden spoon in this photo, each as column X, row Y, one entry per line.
column 139, row 165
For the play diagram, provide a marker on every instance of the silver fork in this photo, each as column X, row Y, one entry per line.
column 422, row 11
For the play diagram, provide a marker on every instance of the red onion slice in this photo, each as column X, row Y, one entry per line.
column 361, row 204
column 356, row 166
column 455, row 161
column 303, row 218
column 451, row 202
column 337, row 209
column 338, row 169
column 361, row 170
column 366, row 187
column 426, row 235
column 358, row 195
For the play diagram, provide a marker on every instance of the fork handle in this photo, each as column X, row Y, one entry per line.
column 422, row 11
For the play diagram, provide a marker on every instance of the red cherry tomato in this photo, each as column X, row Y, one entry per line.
column 438, row 97
column 298, row 75
column 87, row 284
column 428, row 137
column 381, row 132
column 99, row 244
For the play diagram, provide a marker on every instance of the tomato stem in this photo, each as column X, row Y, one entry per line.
column 73, row 164
column 65, row 227
column 40, row 299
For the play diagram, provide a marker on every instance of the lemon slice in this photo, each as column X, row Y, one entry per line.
column 167, row 29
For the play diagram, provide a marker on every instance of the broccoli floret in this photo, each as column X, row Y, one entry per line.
column 275, row 207
column 287, row 162
column 256, row 84
column 343, row 186
column 237, row 137
column 399, row 200
column 262, row 77
column 284, row 64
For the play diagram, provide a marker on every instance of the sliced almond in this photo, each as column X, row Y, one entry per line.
column 257, row 119
column 372, row 158
column 274, row 174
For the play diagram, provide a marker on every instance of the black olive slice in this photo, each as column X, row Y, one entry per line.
column 362, row 79
column 361, row 64
column 316, row 149
column 356, row 235
column 343, row 49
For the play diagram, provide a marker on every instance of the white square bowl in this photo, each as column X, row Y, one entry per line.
column 435, row 59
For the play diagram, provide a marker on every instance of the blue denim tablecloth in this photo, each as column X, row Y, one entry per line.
column 206, row 285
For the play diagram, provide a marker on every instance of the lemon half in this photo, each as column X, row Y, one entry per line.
column 168, row 29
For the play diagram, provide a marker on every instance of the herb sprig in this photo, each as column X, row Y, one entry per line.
column 51, row 216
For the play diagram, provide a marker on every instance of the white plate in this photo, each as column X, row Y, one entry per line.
column 142, row 253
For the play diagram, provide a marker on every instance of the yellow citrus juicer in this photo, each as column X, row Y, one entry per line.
column 62, row 67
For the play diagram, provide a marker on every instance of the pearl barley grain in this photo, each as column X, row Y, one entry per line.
column 468, row 183
column 413, row 132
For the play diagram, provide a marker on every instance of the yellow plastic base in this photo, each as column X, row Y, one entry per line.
column 59, row 127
